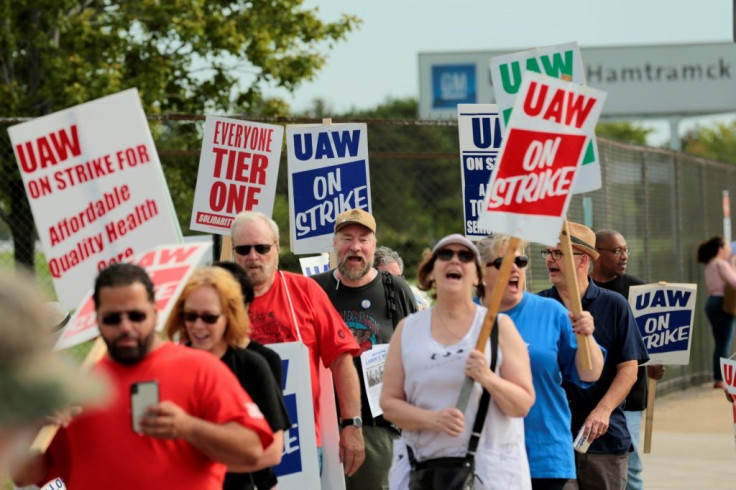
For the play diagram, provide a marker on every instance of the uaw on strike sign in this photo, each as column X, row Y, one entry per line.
column 238, row 169
column 96, row 188
column 543, row 147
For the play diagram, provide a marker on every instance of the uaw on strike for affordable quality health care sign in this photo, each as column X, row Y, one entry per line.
column 480, row 130
column 530, row 189
column 328, row 174
column 238, row 169
column 96, row 188
column 562, row 61
column 664, row 315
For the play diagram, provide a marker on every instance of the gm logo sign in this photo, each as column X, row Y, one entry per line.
column 452, row 85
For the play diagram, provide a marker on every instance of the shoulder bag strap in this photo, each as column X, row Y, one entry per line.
column 480, row 416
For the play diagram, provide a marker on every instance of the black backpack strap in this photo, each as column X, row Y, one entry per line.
column 392, row 305
column 485, row 399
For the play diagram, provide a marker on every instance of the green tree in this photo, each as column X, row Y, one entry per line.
column 183, row 56
column 623, row 131
column 717, row 142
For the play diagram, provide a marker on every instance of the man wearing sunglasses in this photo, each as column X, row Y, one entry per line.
column 609, row 272
column 371, row 303
column 288, row 307
column 203, row 421
column 598, row 410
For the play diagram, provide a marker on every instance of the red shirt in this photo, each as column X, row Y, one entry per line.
column 100, row 450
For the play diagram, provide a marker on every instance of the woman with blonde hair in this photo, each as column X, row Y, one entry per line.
column 210, row 315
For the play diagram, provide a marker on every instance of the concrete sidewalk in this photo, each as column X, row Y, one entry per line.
column 693, row 442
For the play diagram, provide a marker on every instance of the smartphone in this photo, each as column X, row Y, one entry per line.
column 142, row 395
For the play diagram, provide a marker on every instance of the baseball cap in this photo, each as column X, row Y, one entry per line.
column 357, row 217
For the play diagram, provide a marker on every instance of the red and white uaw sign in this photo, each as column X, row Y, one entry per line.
column 479, row 128
column 328, row 174
column 543, row 147
column 664, row 315
column 238, row 169
column 96, row 188
column 169, row 267
column 562, row 61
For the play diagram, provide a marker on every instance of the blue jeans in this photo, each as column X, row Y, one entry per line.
column 722, row 325
column 633, row 479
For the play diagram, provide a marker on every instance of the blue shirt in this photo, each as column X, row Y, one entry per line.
column 616, row 331
column 545, row 327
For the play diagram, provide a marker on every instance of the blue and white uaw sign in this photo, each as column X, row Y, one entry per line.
column 299, row 467
column 480, row 131
column 315, row 264
column 664, row 315
column 328, row 174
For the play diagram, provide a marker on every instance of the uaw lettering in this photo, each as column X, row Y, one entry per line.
column 669, row 327
column 291, row 459
column 329, row 144
column 323, row 193
column 560, row 106
column 56, row 148
column 557, row 65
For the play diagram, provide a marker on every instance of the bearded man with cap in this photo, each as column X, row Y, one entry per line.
column 597, row 411
column 371, row 303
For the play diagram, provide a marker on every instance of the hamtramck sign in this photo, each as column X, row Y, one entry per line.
column 641, row 81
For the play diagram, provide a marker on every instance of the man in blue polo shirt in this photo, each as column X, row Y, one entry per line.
column 598, row 410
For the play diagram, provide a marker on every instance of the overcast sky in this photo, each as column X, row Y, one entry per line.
column 379, row 60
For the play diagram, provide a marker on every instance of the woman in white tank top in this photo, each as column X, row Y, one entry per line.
column 430, row 354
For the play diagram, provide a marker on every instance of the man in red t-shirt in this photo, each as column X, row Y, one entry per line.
column 289, row 307
column 203, row 422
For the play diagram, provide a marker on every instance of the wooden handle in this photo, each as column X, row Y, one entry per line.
column 226, row 248
column 571, row 281
column 651, row 393
column 493, row 303
column 47, row 433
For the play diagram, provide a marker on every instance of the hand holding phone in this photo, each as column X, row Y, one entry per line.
column 143, row 394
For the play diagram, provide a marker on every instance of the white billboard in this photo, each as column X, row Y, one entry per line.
column 641, row 81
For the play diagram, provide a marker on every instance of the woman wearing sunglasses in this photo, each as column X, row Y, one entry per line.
column 546, row 328
column 210, row 315
column 431, row 353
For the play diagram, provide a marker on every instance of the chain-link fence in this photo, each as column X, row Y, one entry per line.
column 663, row 202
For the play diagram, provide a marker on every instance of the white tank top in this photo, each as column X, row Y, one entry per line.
column 433, row 376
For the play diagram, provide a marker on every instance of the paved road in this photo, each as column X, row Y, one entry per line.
column 693, row 442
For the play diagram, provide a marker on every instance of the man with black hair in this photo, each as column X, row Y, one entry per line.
column 371, row 303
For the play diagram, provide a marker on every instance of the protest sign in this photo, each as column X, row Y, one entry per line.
column 664, row 315
column 315, row 265
column 299, row 467
column 479, row 126
column 95, row 186
column 169, row 267
column 561, row 61
column 333, row 471
column 728, row 373
column 328, row 174
column 238, row 169
column 530, row 188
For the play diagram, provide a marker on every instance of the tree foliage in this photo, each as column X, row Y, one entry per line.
column 191, row 56
column 717, row 142
column 623, row 131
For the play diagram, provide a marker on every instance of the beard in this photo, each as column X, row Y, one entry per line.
column 130, row 355
column 354, row 273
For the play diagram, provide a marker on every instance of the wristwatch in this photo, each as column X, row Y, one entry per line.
column 355, row 421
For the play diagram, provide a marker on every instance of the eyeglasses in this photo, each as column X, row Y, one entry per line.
column 556, row 254
column 192, row 316
column 116, row 317
column 618, row 252
column 521, row 261
column 464, row 256
column 261, row 249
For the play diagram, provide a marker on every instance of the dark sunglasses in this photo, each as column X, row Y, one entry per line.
column 521, row 261
column 261, row 249
column 446, row 254
column 116, row 317
column 191, row 317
